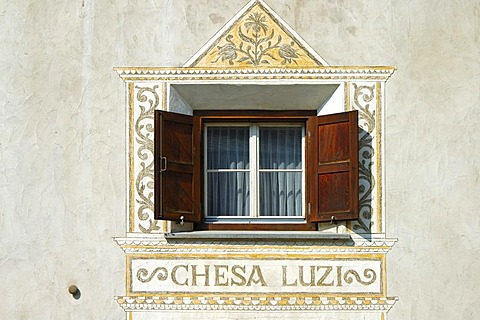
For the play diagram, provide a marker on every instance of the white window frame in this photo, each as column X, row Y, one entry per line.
column 254, row 174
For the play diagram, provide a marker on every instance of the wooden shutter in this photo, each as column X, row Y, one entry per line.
column 176, row 169
column 333, row 167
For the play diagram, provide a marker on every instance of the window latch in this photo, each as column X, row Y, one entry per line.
column 333, row 220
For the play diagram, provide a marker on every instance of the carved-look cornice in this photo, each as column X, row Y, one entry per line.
column 160, row 245
column 260, row 303
column 339, row 73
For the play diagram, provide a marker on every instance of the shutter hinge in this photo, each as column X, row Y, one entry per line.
column 309, row 209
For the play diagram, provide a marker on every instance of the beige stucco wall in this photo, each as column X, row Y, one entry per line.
column 62, row 163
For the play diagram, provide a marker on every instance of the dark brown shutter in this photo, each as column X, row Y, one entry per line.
column 176, row 173
column 333, row 167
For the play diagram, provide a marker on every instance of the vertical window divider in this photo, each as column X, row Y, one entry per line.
column 254, row 170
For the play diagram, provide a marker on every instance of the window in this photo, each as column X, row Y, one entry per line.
column 253, row 172
column 256, row 170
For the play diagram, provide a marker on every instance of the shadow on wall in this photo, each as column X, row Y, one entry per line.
column 366, row 185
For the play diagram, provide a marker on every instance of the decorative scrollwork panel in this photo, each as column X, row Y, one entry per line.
column 146, row 98
column 364, row 99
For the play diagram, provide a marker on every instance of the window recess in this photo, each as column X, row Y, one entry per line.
column 256, row 170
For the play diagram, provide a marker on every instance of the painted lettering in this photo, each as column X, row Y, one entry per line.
column 321, row 281
column 284, row 278
column 301, row 277
column 258, row 272
column 339, row 276
column 206, row 275
column 220, row 276
column 308, row 276
column 224, row 275
column 174, row 275
column 237, row 275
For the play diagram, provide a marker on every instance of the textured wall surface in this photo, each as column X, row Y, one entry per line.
column 62, row 139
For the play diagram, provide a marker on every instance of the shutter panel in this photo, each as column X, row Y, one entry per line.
column 176, row 171
column 333, row 167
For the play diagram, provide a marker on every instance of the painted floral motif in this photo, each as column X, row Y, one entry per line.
column 255, row 44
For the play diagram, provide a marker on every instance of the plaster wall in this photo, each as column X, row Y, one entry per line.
column 62, row 140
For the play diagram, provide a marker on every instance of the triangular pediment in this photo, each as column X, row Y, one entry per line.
column 256, row 37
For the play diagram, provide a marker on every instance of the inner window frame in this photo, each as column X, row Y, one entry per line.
column 254, row 171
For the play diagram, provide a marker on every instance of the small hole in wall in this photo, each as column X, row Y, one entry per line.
column 75, row 292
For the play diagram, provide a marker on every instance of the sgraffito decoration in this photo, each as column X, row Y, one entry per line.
column 363, row 98
column 223, row 275
column 142, row 274
column 257, row 39
column 146, row 101
column 333, row 273
column 319, row 275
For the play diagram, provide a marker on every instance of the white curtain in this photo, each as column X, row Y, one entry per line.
column 280, row 171
column 279, row 184
column 228, row 176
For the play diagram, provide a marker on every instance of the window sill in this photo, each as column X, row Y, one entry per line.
column 257, row 235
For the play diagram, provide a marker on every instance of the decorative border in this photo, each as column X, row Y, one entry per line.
column 188, row 254
column 257, row 303
column 131, row 156
column 363, row 95
column 154, row 245
column 145, row 97
column 379, row 150
column 324, row 73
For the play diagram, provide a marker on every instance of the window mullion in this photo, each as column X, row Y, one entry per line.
column 254, row 170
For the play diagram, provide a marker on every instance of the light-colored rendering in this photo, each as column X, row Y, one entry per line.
column 193, row 160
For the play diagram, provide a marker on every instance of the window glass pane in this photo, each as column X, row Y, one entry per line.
column 228, row 194
column 227, row 147
column 280, row 194
column 278, row 173
column 280, row 148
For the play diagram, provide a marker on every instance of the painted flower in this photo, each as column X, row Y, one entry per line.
column 257, row 22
